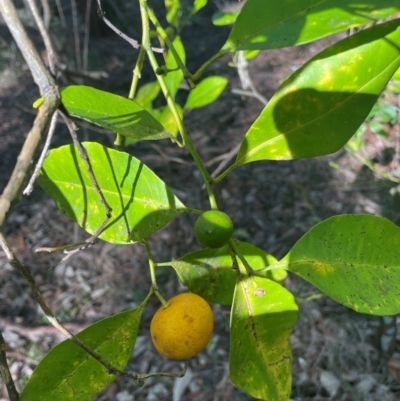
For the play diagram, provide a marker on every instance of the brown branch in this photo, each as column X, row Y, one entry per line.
column 49, row 92
column 5, row 372
column 41, row 74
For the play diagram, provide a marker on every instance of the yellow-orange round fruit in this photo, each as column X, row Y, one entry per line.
column 183, row 328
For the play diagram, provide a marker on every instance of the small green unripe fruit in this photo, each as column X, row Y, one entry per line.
column 213, row 229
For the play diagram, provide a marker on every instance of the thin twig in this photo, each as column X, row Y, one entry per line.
column 243, row 71
column 29, row 188
column 5, row 372
column 134, row 43
column 226, row 158
column 45, row 36
column 46, row 14
column 82, row 151
column 87, row 35
column 61, row 14
column 76, row 35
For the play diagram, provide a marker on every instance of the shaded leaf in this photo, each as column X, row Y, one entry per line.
column 209, row 272
column 111, row 112
column 354, row 259
column 146, row 94
column 207, row 91
column 141, row 203
column 68, row 373
column 167, row 119
column 262, row 318
column 173, row 79
column 286, row 23
column 317, row 110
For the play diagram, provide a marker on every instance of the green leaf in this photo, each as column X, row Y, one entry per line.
column 396, row 75
column 354, row 259
column 286, row 23
column 173, row 79
column 198, row 5
column 146, row 94
column 222, row 18
column 69, row 373
column 173, row 7
column 167, row 119
column 209, row 272
column 262, row 318
column 250, row 54
column 207, row 91
column 141, row 203
column 112, row 112
column 317, row 110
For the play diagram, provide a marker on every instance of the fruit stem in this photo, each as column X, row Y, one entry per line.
column 244, row 267
column 152, row 267
column 171, row 47
column 170, row 101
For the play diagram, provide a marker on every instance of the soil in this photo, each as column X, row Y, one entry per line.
column 337, row 353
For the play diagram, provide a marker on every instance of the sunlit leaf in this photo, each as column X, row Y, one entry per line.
column 111, row 112
column 198, row 5
column 224, row 18
column 287, row 22
column 172, row 8
column 207, row 91
column 318, row 109
column 167, row 119
column 68, row 373
column 209, row 272
column 141, row 202
column 262, row 318
column 354, row 259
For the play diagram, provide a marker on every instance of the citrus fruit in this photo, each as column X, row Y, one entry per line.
column 183, row 328
column 213, row 229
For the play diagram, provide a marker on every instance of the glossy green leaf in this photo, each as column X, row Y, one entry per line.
column 112, row 112
column 167, row 119
column 172, row 8
column 286, row 23
column 262, row 318
column 207, row 91
column 141, row 203
column 209, row 272
column 68, row 373
column 146, row 94
column 224, row 18
column 354, row 259
column 173, row 79
column 317, row 110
